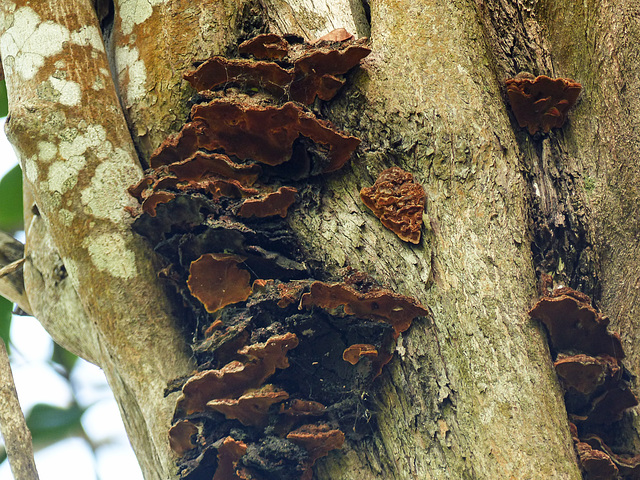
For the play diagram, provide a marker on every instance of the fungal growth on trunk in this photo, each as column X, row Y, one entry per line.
column 588, row 362
column 277, row 340
column 541, row 103
column 398, row 202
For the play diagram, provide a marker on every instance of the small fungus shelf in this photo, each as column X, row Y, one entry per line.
column 541, row 103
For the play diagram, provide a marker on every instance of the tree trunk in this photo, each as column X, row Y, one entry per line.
column 472, row 392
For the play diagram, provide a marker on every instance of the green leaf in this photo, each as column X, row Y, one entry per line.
column 4, row 104
column 11, row 200
column 64, row 358
column 5, row 320
column 49, row 424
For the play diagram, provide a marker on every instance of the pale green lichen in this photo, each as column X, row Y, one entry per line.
column 132, row 73
column 109, row 253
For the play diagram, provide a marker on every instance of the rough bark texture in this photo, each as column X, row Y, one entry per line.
column 78, row 158
column 472, row 392
column 599, row 42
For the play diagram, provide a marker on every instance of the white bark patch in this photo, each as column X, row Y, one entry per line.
column 109, row 253
column 135, row 12
column 63, row 174
column 88, row 35
column 70, row 92
column 31, row 169
column 66, row 217
column 129, row 64
column 28, row 42
column 47, row 151
column 102, row 198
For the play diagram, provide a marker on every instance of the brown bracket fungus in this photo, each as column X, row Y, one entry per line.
column 180, row 436
column 252, row 407
column 573, row 324
column 216, row 281
column 262, row 133
column 274, row 203
column 541, row 103
column 318, row 440
column 354, row 353
column 229, row 453
column 266, row 46
column 596, row 390
column 398, row 202
column 380, row 305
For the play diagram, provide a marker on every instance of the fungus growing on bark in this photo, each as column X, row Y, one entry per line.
column 252, row 408
column 217, row 71
column 337, row 35
column 574, row 325
column 216, row 280
column 204, row 165
column 180, row 436
column 628, row 465
column 380, row 305
column 261, row 133
column 609, row 407
column 152, row 201
column 265, row 46
column 585, row 374
column 541, row 103
column 318, row 440
column 236, row 377
column 398, row 202
column 354, row 353
column 229, row 452
column 303, row 408
column 273, row 203
column 597, row 464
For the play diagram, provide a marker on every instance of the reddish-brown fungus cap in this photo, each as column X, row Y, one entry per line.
column 203, row 165
column 236, row 377
column 541, row 103
column 574, row 325
column 337, row 35
column 180, row 436
column 610, row 406
column 379, row 305
column 318, row 440
column 216, row 280
column 229, row 452
column 274, row 203
column 217, row 71
column 264, row 134
column 265, row 46
column 354, row 353
column 156, row 198
column 252, row 407
column 398, row 202
column 303, row 408
column 585, row 374
column 598, row 465
column 628, row 465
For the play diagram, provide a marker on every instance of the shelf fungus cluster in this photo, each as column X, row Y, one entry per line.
column 284, row 351
column 589, row 365
column 541, row 103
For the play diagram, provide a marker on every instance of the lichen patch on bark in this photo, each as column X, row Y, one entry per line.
column 135, row 12
column 132, row 73
column 109, row 253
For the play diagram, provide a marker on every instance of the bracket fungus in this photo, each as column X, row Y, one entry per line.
column 380, row 305
column 216, row 280
column 589, row 366
column 354, row 353
column 398, row 202
column 541, row 103
column 213, row 206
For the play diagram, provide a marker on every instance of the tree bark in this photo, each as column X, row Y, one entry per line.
column 471, row 393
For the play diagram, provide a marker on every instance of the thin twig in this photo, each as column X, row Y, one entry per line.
column 17, row 438
column 12, row 267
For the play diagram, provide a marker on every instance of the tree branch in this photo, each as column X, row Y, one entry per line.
column 11, row 278
column 17, row 437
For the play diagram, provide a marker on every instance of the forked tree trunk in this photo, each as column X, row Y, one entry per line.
column 471, row 393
